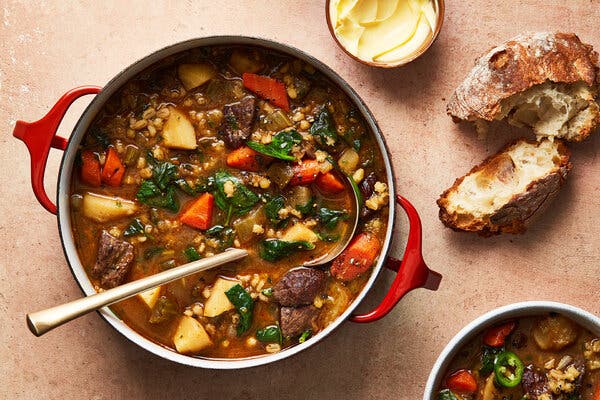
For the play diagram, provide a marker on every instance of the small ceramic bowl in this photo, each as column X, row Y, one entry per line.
column 516, row 310
column 413, row 56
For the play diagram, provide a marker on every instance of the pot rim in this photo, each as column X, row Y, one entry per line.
column 514, row 310
column 66, row 170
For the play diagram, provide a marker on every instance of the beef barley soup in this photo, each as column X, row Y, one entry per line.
column 229, row 147
column 547, row 357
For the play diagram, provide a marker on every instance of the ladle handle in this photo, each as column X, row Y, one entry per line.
column 43, row 321
column 412, row 271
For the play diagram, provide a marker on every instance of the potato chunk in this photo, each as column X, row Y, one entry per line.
column 300, row 232
column 555, row 332
column 194, row 75
column 218, row 303
column 178, row 131
column 246, row 61
column 489, row 391
column 190, row 336
column 102, row 208
column 150, row 296
column 348, row 161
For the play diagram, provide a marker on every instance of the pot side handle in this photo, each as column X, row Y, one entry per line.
column 40, row 135
column 412, row 271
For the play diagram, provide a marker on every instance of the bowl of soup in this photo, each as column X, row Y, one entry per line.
column 530, row 350
column 227, row 142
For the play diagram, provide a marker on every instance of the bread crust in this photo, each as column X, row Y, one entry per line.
column 519, row 211
column 517, row 65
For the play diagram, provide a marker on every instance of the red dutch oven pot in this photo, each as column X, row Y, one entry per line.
column 41, row 135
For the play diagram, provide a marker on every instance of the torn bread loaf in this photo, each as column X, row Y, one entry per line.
column 545, row 81
column 501, row 194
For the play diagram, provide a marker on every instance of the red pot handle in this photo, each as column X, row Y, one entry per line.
column 40, row 135
column 412, row 271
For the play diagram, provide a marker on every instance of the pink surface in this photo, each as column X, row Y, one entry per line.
column 49, row 47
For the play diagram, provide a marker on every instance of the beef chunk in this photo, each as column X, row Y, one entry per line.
column 238, row 118
column 299, row 287
column 113, row 261
column 519, row 340
column 367, row 187
column 534, row 382
column 294, row 321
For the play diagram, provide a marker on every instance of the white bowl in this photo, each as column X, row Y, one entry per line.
column 516, row 310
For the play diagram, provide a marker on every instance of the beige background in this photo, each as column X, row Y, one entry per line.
column 51, row 46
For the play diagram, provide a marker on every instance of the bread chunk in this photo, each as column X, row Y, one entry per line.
column 546, row 81
column 501, row 194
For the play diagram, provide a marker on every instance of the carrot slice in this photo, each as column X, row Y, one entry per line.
column 357, row 258
column 596, row 395
column 245, row 159
column 329, row 183
column 268, row 88
column 462, row 381
column 496, row 335
column 199, row 214
column 305, row 172
column 90, row 168
column 113, row 171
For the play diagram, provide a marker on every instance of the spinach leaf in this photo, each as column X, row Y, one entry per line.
column 191, row 254
column 100, row 137
column 240, row 202
column 135, row 228
column 151, row 195
column 201, row 186
column 151, row 252
column 488, row 355
column 164, row 310
column 446, row 394
column 225, row 235
column 352, row 137
column 271, row 333
column 186, row 188
column 244, row 305
column 323, row 129
column 327, row 237
column 308, row 208
column 330, row 218
column 281, row 145
column 305, row 335
column 275, row 249
column 160, row 190
column 272, row 209
column 163, row 173
column 147, row 190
